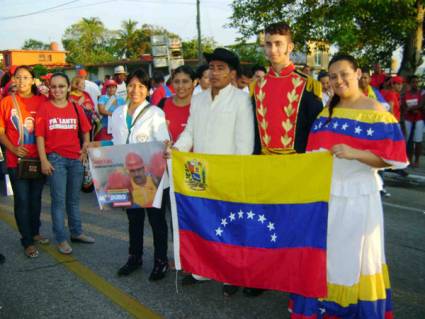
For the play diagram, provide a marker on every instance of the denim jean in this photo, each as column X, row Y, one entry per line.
column 65, row 187
column 27, row 205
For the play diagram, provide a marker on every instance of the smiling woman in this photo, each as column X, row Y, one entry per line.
column 17, row 116
column 139, row 122
column 363, row 138
column 59, row 123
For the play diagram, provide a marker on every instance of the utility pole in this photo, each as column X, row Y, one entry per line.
column 198, row 25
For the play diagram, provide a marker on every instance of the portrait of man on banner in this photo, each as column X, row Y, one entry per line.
column 128, row 175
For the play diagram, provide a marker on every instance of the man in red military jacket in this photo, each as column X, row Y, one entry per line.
column 286, row 102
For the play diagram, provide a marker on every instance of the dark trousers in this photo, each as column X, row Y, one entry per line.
column 27, row 205
column 136, row 220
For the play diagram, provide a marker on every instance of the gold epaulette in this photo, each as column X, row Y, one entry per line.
column 312, row 84
column 252, row 88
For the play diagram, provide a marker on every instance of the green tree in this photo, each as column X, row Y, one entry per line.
column 249, row 52
column 39, row 70
column 190, row 47
column 130, row 41
column 369, row 29
column 89, row 42
column 32, row 44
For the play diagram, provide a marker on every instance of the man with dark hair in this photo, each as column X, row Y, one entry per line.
column 202, row 75
column 259, row 72
column 220, row 122
column 369, row 90
column 378, row 76
column 284, row 130
column 286, row 102
column 243, row 79
column 327, row 93
column 160, row 89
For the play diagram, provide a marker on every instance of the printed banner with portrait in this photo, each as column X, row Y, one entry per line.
column 129, row 175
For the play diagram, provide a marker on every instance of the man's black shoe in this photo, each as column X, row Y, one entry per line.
column 229, row 290
column 188, row 280
column 132, row 264
column 159, row 270
column 2, row 259
column 252, row 292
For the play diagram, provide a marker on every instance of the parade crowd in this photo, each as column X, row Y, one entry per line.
column 367, row 121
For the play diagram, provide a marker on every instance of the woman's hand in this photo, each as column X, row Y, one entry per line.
column 81, row 100
column 83, row 151
column 20, row 151
column 344, row 151
column 168, row 149
column 46, row 167
column 93, row 144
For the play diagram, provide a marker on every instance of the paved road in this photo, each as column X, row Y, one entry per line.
column 85, row 285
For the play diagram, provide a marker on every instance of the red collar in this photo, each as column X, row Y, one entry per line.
column 284, row 72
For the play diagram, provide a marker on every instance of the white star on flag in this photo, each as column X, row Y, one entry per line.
column 262, row 219
column 240, row 213
column 320, row 124
column 250, row 215
column 358, row 130
column 273, row 237
column 270, row 226
column 335, row 125
column 344, row 126
column 370, row 132
column 232, row 217
column 218, row 231
column 315, row 128
column 224, row 222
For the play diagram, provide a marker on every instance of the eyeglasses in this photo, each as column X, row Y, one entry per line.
column 60, row 86
column 23, row 78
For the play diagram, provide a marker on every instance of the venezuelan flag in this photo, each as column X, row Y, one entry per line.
column 378, row 132
column 253, row 221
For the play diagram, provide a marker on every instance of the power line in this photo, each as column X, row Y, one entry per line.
column 39, row 11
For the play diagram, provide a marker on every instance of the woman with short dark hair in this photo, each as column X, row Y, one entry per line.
column 139, row 122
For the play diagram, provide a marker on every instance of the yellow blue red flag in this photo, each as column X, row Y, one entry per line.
column 253, row 221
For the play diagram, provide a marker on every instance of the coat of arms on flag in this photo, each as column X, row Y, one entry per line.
column 253, row 221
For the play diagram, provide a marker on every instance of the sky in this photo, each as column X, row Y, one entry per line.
column 25, row 19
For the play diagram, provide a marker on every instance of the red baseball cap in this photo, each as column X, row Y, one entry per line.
column 48, row 76
column 82, row 72
column 397, row 79
column 110, row 83
column 133, row 161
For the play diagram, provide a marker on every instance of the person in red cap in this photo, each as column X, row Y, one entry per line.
column 392, row 95
column 143, row 189
column 89, row 86
column 107, row 104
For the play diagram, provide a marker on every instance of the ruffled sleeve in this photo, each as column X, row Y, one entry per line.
column 377, row 132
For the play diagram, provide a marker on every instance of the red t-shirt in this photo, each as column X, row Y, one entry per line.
column 377, row 79
column 412, row 100
column 59, row 127
column 176, row 117
column 9, row 123
column 393, row 98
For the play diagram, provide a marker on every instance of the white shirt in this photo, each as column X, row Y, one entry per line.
column 198, row 89
column 150, row 127
column 122, row 90
column 224, row 125
column 93, row 90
